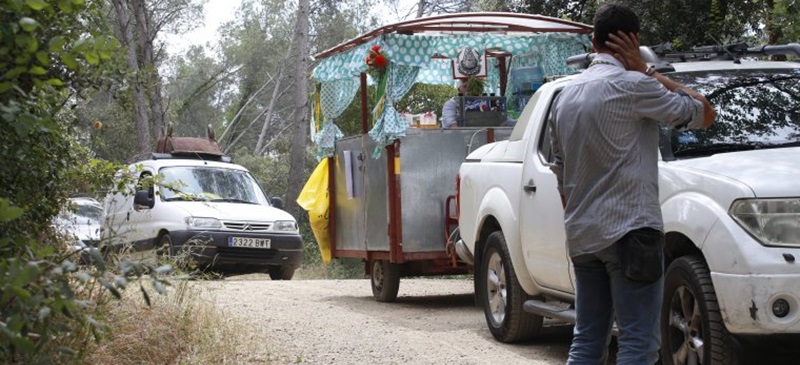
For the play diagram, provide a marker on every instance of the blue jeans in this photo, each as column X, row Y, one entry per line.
column 603, row 293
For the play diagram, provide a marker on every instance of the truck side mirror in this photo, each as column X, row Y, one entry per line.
column 276, row 202
column 143, row 200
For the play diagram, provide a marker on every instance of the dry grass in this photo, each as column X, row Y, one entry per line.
column 337, row 269
column 179, row 328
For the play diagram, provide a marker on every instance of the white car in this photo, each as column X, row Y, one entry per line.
column 82, row 221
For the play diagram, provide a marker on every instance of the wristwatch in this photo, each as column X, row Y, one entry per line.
column 650, row 71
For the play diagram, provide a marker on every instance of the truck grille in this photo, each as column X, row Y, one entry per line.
column 247, row 226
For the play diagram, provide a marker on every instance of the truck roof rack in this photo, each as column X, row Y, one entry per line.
column 729, row 52
column 582, row 61
column 661, row 55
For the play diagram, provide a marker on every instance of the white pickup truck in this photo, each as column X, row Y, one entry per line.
column 730, row 198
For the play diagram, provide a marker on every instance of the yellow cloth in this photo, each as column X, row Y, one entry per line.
column 314, row 199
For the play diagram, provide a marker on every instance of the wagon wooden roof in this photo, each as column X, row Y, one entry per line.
column 486, row 22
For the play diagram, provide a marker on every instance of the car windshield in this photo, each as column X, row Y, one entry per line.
column 755, row 109
column 82, row 213
column 210, row 184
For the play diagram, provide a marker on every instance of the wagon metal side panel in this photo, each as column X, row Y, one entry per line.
column 361, row 211
column 429, row 162
column 430, row 159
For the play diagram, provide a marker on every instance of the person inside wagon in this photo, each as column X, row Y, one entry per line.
column 450, row 113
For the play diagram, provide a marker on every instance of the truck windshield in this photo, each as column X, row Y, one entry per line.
column 210, row 184
column 755, row 109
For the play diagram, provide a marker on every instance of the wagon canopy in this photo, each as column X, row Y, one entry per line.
column 422, row 51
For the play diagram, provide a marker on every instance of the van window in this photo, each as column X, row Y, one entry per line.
column 210, row 184
column 145, row 182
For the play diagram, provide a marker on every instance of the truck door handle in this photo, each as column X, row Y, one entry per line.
column 128, row 216
column 530, row 187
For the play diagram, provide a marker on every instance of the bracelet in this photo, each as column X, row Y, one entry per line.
column 650, row 71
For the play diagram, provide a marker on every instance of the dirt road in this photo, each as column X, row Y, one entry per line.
column 433, row 321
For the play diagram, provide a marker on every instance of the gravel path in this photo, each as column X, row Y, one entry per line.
column 433, row 321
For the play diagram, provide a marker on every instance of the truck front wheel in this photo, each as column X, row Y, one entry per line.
column 501, row 295
column 692, row 331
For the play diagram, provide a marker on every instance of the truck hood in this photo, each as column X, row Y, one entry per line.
column 769, row 172
column 488, row 150
column 234, row 211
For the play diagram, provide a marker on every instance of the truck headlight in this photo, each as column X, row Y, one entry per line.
column 202, row 223
column 284, row 226
column 774, row 222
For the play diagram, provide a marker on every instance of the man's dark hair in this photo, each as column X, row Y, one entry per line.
column 611, row 18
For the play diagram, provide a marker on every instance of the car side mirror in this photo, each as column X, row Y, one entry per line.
column 276, row 202
column 143, row 200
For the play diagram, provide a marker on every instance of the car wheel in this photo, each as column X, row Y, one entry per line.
column 385, row 278
column 692, row 330
column 164, row 246
column 502, row 297
column 281, row 272
column 167, row 253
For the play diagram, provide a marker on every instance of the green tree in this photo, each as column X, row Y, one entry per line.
column 692, row 23
column 256, row 45
column 50, row 53
column 195, row 91
column 782, row 20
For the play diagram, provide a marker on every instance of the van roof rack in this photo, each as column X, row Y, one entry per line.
column 197, row 148
column 189, row 155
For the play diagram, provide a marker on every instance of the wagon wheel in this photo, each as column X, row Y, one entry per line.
column 385, row 278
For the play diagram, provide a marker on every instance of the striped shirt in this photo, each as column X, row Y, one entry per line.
column 605, row 144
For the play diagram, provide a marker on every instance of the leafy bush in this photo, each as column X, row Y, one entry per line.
column 48, row 53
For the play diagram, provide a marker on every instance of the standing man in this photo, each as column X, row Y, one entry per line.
column 605, row 141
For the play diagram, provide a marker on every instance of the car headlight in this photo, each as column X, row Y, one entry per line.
column 202, row 223
column 284, row 226
column 774, row 222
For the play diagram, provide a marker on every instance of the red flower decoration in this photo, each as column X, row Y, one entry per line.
column 379, row 60
column 375, row 58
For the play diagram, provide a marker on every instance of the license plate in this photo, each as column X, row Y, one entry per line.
column 248, row 242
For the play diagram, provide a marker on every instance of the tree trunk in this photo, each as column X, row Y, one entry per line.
column 143, row 137
column 151, row 76
column 422, row 5
column 275, row 94
column 242, row 108
column 297, row 166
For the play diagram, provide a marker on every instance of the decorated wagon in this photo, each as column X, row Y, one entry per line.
column 390, row 189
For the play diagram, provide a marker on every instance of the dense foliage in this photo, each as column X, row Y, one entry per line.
column 49, row 52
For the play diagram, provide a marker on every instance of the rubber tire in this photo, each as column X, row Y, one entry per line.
column 690, row 275
column 385, row 280
column 281, row 272
column 167, row 253
column 164, row 246
column 516, row 324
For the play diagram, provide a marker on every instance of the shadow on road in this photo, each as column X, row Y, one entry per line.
column 436, row 301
